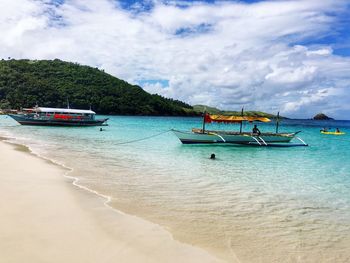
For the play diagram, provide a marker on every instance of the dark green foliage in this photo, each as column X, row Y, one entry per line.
column 24, row 83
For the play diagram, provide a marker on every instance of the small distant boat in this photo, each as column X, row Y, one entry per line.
column 203, row 136
column 57, row 117
column 333, row 133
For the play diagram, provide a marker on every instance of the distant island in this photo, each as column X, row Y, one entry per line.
column 50, row 83
column 322, row 116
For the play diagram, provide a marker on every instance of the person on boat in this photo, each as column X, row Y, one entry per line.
column 337, row 130
column 256, row 131
column 324, row 130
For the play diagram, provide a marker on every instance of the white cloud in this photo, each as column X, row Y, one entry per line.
column 226, row 54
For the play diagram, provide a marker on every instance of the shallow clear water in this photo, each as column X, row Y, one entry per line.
column 254, row 204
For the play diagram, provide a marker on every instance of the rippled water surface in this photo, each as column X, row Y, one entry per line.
column 254, row 204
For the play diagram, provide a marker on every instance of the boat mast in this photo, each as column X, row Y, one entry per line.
column 240, row 128
column 205, row 112
column 277, row 121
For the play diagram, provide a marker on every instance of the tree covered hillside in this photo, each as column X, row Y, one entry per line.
column 23, row 83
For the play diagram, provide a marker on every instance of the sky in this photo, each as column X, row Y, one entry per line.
column 291, row 56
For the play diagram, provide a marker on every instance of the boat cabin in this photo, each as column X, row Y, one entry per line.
column 60, row 113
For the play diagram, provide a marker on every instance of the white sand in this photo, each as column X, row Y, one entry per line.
column 44, row 218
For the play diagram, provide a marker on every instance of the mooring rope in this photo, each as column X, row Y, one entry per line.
column 144, row 138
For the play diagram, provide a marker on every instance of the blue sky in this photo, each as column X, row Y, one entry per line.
column 338, row 39
column 291, row 56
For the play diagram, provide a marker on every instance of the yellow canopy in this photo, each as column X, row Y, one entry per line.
column 222, row 118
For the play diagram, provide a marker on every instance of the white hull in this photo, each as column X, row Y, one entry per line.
column 210, row 137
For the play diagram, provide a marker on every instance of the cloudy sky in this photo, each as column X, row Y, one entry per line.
column 291, row 56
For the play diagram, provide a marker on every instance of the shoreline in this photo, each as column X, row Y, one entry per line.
column 109, row 230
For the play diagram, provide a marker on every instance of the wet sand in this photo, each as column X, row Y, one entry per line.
column 44, row 218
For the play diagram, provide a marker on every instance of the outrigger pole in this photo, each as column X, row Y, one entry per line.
column 240, row 128
column 277, row 121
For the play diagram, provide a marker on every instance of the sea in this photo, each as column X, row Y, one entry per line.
column 250, row 204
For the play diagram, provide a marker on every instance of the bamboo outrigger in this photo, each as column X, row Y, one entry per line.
column 267, row 139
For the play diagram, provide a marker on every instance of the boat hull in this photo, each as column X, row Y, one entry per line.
column 221, row 138
column 333, row 133
column 24, row 120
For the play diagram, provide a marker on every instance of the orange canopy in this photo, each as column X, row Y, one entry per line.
column 232, row 119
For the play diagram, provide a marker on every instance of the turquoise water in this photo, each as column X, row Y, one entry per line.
column 254, row 204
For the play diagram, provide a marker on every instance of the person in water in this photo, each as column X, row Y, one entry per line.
column 212, row 156
column 256, row 130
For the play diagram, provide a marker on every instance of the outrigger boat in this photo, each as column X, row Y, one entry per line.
column 57, row 117
column 203, row 136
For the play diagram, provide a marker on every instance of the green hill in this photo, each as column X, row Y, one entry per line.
column 24, row 83
column 211, row 110
column 202, row 108
column 322, row 116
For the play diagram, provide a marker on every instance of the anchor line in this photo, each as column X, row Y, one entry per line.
column 144, row 138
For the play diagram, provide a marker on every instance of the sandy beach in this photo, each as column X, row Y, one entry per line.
column 44, row 218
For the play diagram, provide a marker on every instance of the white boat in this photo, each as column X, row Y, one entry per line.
column 57, row 117
column 203, row 136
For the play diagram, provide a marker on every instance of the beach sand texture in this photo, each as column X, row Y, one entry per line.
column 44, row 218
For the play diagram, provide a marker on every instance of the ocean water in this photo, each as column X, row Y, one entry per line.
column 252, row 204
